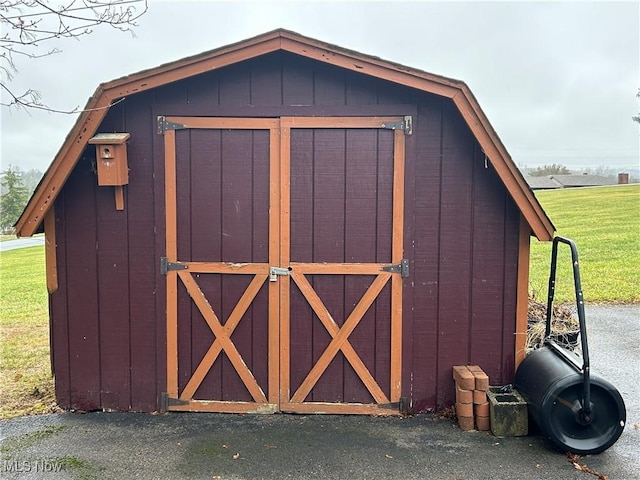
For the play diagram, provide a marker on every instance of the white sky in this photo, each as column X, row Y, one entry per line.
column 557, row 80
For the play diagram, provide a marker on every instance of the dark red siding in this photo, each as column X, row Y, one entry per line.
column 223, row 215
column 461, row 236
column 341, row 200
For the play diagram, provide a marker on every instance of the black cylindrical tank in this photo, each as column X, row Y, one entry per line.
column 553, row 390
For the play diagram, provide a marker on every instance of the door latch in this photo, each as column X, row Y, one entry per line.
column 274, row 272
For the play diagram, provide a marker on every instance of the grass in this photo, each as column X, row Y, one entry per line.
column 605, row 224
column 28, row 439
column 25, row 372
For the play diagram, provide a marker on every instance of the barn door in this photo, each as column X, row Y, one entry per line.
column 341, row 332
column 221, row 239
column 284, row 264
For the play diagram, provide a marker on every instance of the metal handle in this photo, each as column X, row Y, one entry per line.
column 586, row 382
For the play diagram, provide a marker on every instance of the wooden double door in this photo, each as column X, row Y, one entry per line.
column 284, row 263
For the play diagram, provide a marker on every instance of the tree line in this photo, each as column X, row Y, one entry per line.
column 16, row 187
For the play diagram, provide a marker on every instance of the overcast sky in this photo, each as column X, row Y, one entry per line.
column 557, row 80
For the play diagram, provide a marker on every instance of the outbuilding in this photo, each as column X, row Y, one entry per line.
column 282, row 225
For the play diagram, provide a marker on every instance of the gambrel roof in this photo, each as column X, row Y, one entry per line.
column 282, row 40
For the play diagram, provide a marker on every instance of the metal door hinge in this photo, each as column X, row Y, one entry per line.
column 167, row 266
column 274, row 272
column 402, row 268
column 164, row 125
column 168, row 401
column 406, row 125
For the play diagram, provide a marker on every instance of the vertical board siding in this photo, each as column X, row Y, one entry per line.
column 82, row 283
column 426, row 253
column 487, row 267
column 223, row 203
column 237, row 245
column 108, row 319
column 266, row 82
column 58, row 315
column 204, row 233
column 297, row 83
column 456, row 225
column 259, row 206
column 302, row 209
column 341, row 192
column 113, row 303
column 328, row 242
column 361, row 178
column 143, row 258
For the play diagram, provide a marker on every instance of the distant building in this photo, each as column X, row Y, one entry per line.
column 568, row 181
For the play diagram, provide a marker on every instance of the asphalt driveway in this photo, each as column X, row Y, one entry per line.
column 21, row 243
column 216, row 446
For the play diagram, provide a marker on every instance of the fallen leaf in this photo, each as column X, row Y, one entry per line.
column 388, row 456
column 236, row 456
column 224, row 446
column 573, row 458
column 635, row 426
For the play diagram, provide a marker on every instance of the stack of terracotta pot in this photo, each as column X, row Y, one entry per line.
column 472, row 406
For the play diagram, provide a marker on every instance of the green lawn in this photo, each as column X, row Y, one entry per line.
column 25, row 372
column 605, row 224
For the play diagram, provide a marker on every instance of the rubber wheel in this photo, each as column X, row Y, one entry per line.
column 566, row 428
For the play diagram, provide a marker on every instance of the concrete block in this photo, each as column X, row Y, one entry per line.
column 508, row 413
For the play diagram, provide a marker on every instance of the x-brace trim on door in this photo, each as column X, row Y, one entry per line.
column 340, row 337
column 222, row 336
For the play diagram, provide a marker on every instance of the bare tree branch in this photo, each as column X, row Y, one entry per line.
column 27, row 25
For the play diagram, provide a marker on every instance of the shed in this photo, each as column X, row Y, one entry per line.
column 282, row 225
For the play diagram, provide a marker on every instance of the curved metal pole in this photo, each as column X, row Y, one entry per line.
column 586, row 382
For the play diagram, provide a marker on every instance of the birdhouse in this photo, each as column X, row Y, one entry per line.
column 111, row 158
